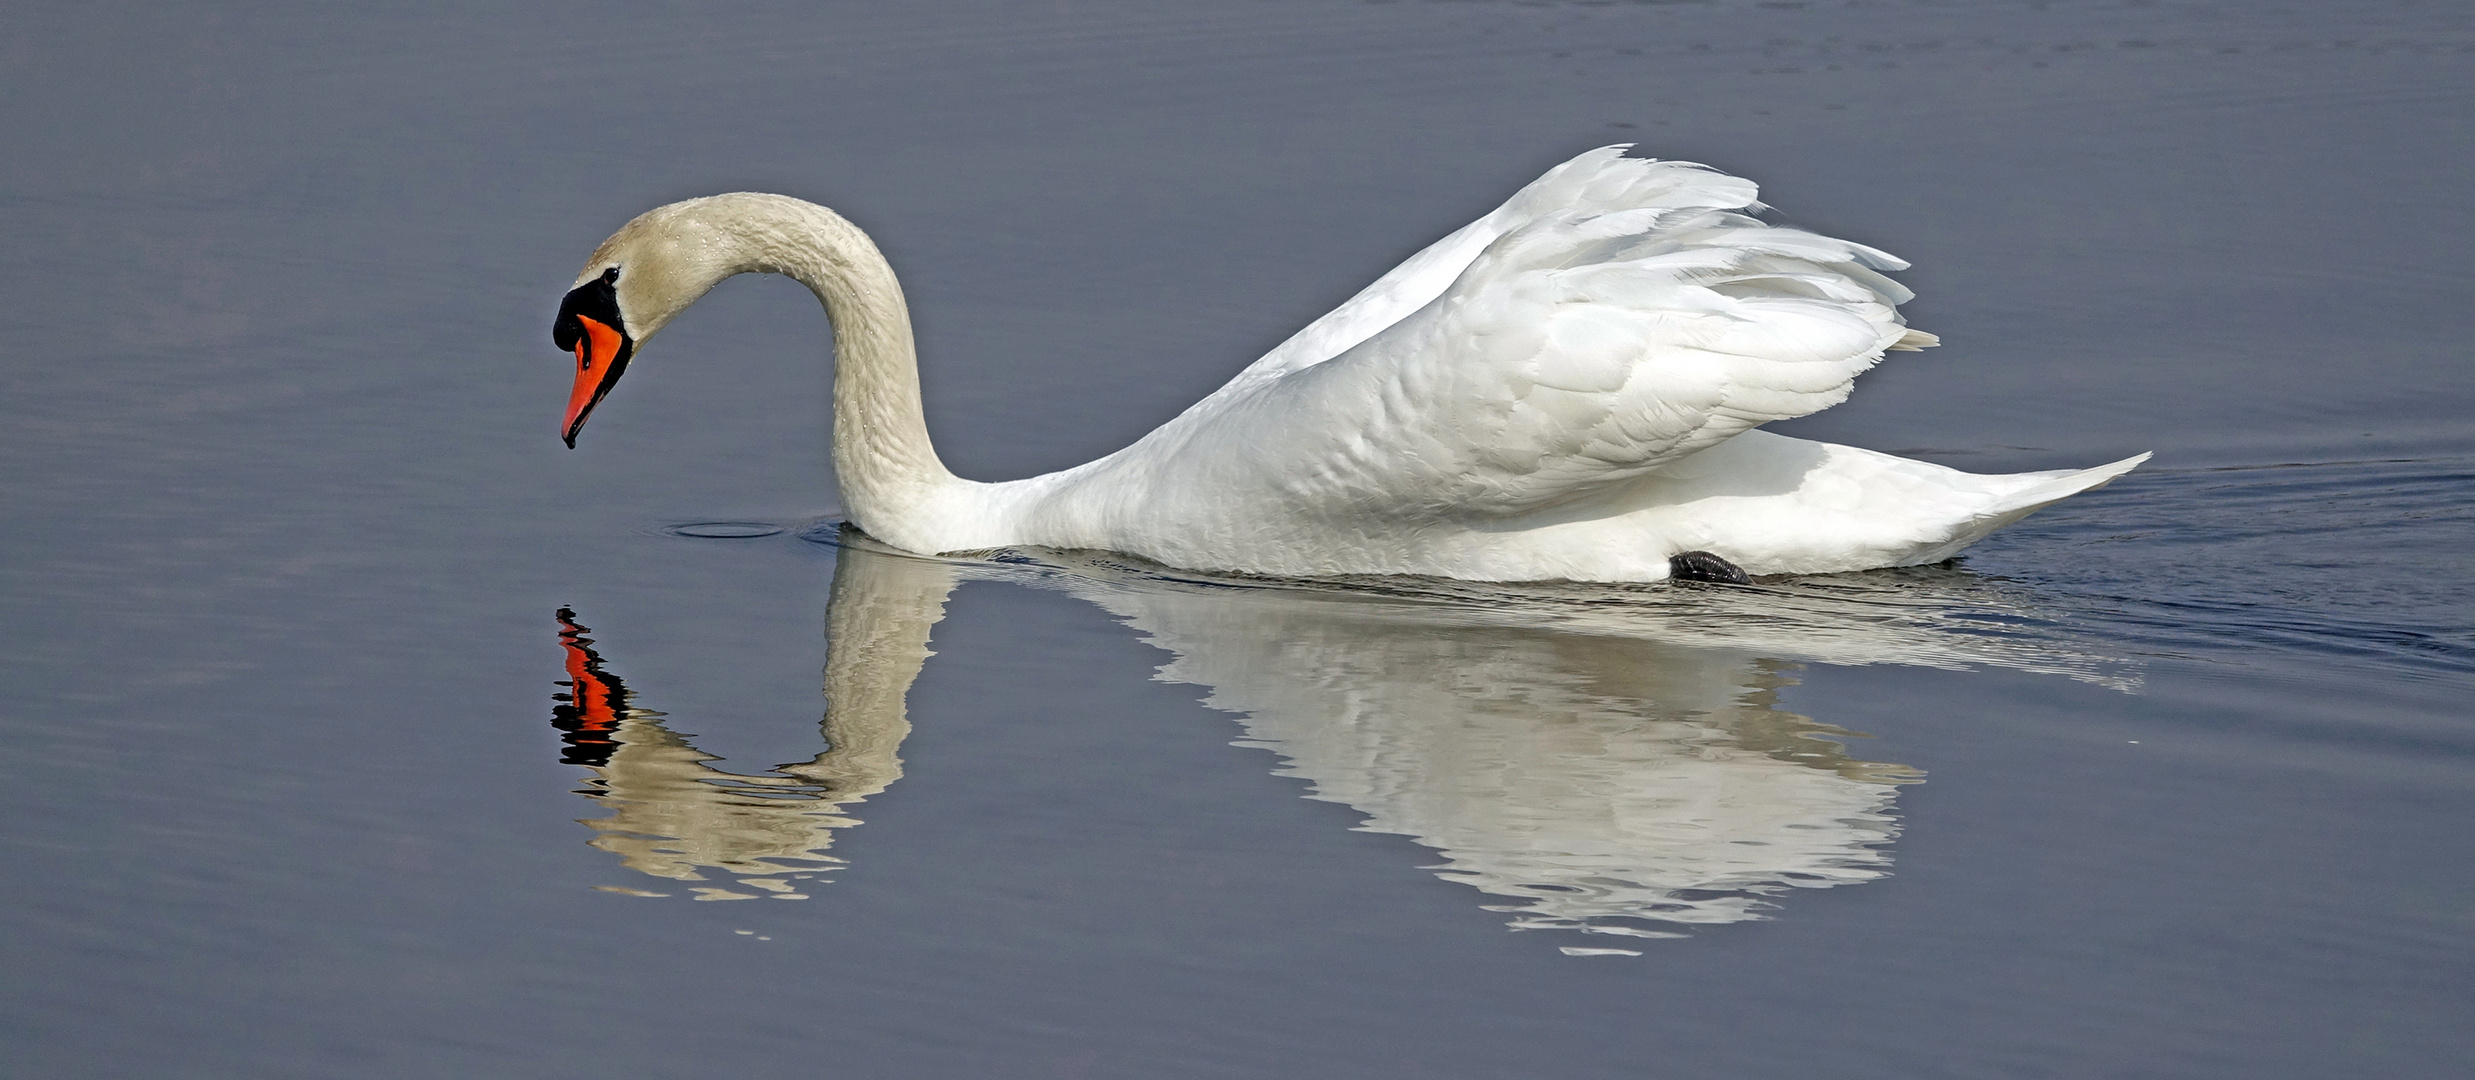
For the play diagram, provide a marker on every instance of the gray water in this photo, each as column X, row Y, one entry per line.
column 2173, row 779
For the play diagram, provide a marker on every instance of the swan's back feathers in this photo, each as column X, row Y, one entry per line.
column 1616, row 315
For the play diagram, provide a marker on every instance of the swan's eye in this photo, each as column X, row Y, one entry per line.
column 611, row 275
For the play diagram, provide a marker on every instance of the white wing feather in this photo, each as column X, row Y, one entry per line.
column 1616, row 315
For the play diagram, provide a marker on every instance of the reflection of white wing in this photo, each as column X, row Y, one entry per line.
column 1593, row 778
column 1590, row 807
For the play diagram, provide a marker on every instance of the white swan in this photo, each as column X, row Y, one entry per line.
column 1565, row 389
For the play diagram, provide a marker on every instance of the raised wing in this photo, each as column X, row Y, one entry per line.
column 1617, row 315
column 1600, row 180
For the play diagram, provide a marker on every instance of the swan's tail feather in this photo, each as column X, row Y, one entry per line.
column 2043, row 490
column 2062, row 486
column 1916, row 340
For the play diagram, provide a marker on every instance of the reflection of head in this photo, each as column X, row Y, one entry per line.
column 675, row 816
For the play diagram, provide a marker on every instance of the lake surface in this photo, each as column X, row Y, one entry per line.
column 354, row 727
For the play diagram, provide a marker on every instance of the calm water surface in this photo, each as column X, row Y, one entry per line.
column 354, row 727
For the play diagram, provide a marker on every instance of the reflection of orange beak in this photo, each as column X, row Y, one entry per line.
column 600, row 356
column 596, row 699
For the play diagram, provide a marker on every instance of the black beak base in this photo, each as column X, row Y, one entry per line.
column 589, row 325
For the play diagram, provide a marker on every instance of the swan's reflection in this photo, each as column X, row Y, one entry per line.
column 1612, row 761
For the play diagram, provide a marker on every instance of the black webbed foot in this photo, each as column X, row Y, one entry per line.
column 1704, row 566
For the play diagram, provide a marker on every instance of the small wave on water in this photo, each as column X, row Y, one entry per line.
column 726, row 530
column 2369, row 561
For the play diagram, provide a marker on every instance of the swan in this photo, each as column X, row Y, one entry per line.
column 1567, row 388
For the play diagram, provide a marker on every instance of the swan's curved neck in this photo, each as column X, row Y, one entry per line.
column 890, row 475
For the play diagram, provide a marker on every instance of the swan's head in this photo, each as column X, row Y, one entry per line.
column 637, row 281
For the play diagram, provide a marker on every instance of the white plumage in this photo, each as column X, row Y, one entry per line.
column 1564, row 389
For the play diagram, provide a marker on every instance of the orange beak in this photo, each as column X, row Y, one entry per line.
column 601, row 354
